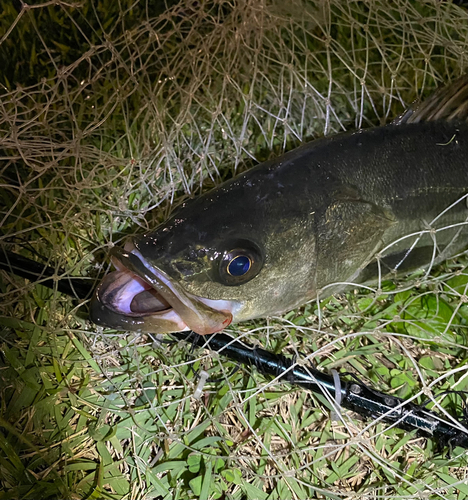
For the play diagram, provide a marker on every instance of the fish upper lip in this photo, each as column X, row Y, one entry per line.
column 134, row 264
column 193, row 311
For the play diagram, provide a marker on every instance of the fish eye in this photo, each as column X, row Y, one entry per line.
column 240, row 265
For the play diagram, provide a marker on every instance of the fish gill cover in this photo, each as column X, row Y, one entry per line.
column 112, row 114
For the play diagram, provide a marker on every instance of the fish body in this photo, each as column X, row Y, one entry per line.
column 343, row 209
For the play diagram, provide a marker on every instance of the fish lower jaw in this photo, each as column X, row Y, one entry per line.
column 167, row 322
column 169, row 317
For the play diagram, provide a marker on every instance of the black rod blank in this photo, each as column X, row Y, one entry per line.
column 354, row 395
column 13, row 263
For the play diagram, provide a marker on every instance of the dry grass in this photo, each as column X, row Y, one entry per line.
column 111, row 114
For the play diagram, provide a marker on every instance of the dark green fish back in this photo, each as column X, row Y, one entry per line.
column 372, row 187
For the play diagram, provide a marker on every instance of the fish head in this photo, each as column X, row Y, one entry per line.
column 221, row 258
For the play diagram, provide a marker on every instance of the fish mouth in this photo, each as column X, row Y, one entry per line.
column 141, row 297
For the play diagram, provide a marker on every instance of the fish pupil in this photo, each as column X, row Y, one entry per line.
column 239, row 265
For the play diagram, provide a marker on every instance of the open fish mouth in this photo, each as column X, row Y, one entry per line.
column 141, row 297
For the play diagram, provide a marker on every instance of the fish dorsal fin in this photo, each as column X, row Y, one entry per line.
column 448, row 103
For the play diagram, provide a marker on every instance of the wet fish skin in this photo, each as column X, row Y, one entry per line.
column 315, row 218
column 317, row 213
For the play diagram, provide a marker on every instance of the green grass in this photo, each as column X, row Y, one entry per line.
column 111, row 114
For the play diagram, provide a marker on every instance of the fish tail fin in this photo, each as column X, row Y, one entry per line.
column 448, row 103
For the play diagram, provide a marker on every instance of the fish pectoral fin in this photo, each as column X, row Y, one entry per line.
column 349, row 235
column 448, row 103
column 349, row 199
column 355, row 222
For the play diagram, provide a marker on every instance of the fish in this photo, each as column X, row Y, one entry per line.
column 341, row 210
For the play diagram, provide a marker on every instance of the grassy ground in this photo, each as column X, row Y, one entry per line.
column 111, row 114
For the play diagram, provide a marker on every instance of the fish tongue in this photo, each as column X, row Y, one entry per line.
column 147, row 302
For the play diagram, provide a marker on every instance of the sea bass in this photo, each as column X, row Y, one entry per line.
column 344, row 209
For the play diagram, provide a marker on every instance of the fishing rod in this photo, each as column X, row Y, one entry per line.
column 350, row 394
column 49, row 277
